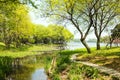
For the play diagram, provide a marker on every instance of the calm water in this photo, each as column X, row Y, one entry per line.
column 30, row 68
column 39, row 74
column 76, row 45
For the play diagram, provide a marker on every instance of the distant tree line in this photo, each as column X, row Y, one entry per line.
column 51, row 34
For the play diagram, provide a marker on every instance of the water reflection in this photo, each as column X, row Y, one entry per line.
column 28, row 68
column 39, row 74
column 5, row 67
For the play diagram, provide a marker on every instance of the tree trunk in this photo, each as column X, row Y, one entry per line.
column 98, row 43
column 86, row 46
column 111, row 41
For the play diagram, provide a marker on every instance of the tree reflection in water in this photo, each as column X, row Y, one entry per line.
column 28, row 68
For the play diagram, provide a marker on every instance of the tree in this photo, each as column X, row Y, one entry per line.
column 105, row 13
column 24, row 29
column 115, row 36
column 6, row 12
column 51, row 34
column 41, row 34
column 59, row 34
column 15, row 25
column 76, row 12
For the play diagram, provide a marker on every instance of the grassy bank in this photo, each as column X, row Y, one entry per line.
column 25, row 50
column 105, row 57
column 65, row 69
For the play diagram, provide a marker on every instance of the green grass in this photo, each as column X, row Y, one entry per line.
column 105, row 57
column 26, row 50
column 113, row 52
column 73, row 71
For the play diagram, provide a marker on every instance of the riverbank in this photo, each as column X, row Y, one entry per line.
column 27, row 50
column 105, row 57
column 58, row 65
column 65, row 69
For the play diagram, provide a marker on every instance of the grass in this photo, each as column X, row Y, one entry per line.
column 26, row 50
column 65, row 69
column 105, row 57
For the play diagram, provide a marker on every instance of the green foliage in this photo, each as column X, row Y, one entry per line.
column 116, row 32
column 62, row 63
column 15, row 25
column 16, row 28
column 105, row 39
column 25, row 50
column 70, row 52
column 5, row 67
column 75, row 71
column 84, row 71
column 51, row 34
column 55, row 77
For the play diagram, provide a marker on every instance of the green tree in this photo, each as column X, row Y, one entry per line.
column 59, row 34
column 115, row 36
column 105, row 13
column 6, row 12
column 51, row 34
column 24, row 29
column 15, row 24
column 41, row 33
column 79, row 13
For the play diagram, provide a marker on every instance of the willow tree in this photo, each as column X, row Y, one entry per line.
column 79, row 13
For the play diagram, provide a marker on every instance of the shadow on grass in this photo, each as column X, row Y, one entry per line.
column 113, row 54
column 113, row 63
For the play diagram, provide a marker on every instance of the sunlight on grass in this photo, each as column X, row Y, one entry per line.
column 25, row 50
column 105, row 57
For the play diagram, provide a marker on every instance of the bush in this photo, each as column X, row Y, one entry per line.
column 54, row 76
column 83, row 70
column 62, row 62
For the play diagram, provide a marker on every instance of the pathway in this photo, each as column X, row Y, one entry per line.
column 102, row 69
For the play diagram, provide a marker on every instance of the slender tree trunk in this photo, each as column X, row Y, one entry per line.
column 98, row 43
column 86, row 45
column 111, row 41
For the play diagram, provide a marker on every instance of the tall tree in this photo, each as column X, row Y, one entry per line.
column 15, row 23
column 76, row 12
column 6, row 12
